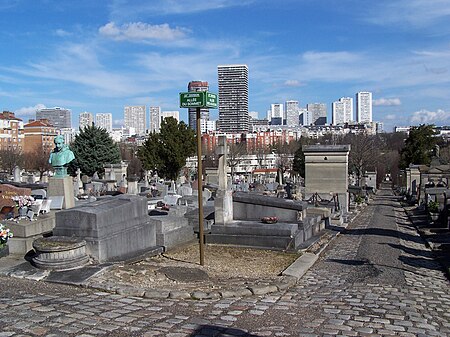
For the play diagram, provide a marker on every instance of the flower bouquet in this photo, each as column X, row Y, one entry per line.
column 269, row 219
column 23, row 200
column 5, row 234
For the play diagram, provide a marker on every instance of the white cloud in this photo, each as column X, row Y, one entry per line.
column 29, row 111
column 140, row 31
column 430, row 117
column 78, row 63
column 387, row 102
column 121, row 9
column 292, row 83
column 62, row 33
column 331, row 66
column 391, row 117
column 416, row 13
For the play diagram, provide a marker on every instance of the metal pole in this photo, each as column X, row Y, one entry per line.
column 200, row 186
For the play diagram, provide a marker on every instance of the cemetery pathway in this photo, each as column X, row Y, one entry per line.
column 376, row 278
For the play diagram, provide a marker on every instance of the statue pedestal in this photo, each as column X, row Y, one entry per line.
column 223, row 205
column 62, row 187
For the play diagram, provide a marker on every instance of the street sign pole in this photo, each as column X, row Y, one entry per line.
column 198, row 100
column 200, row 189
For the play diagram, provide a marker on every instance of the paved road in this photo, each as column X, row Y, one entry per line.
column 376, row 278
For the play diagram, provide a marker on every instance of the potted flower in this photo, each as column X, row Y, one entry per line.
column 433, row 209
column 5, row 234
column 23, row 202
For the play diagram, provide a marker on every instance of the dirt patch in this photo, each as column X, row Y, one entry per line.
column 225, row 266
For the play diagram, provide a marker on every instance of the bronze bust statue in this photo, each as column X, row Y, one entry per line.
column 60, row 157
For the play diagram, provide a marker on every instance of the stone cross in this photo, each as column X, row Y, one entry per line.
column 17, row 174
column 221, row 151
column 223, row 203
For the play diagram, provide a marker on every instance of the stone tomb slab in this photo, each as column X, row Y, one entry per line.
column 75, row 276
column 183, row 274
column 115, row 228
column 278, row 236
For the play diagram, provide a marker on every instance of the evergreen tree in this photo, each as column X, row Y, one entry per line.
column 298, row 165
column 167, row 151
column 93, row 147
column 418, row 146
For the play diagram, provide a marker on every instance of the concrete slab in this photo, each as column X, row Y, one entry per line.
column 75, row 276
column 301, row 265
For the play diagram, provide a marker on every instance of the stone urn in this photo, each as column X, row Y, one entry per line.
column 23, row 211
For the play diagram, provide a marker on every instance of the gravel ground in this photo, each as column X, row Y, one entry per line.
column 223, row 266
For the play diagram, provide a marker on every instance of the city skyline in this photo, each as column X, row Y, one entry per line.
column 101, row 57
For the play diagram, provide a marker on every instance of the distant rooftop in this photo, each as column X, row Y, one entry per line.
column 326, row 148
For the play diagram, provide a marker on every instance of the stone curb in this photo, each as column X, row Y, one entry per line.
column 283, row 284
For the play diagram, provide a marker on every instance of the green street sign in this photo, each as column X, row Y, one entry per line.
column 198, row 99
column 211, row 100
column 192, row 99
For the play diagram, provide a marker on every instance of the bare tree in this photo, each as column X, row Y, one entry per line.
column 135, row 168
column 364, row 153
column 445, row 153
column 236, row 151
column 37, row 160
column 285, row 156
column 128, row 151
column 209, row 158
column 388, row 162
column 10, row 158
column 261, row 153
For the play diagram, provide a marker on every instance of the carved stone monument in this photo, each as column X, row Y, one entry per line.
column 326, row 172
column 223, row 202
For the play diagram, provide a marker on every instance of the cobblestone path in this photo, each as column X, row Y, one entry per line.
column 376, row 278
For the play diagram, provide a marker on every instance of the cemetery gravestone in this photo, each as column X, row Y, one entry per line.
column 223, row 203
column 17, row 174
column 185, row 190
column 7, row 192
column 326, row 172
column 114, row 228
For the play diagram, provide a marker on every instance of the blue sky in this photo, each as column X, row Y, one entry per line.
column 99, row 56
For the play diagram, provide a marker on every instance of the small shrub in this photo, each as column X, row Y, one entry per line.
column 359, row 199
column 433, row 207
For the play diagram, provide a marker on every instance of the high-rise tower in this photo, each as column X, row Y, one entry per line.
column 135, row 117
column 364, row 107
column 104, row 120
column 233, row 98
column 292, row 112
column 155, row 118
column 342, row 111
column 204, row 113
column 276, row 114
column 86, row 119
column 58, row 117
column 319, row 113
